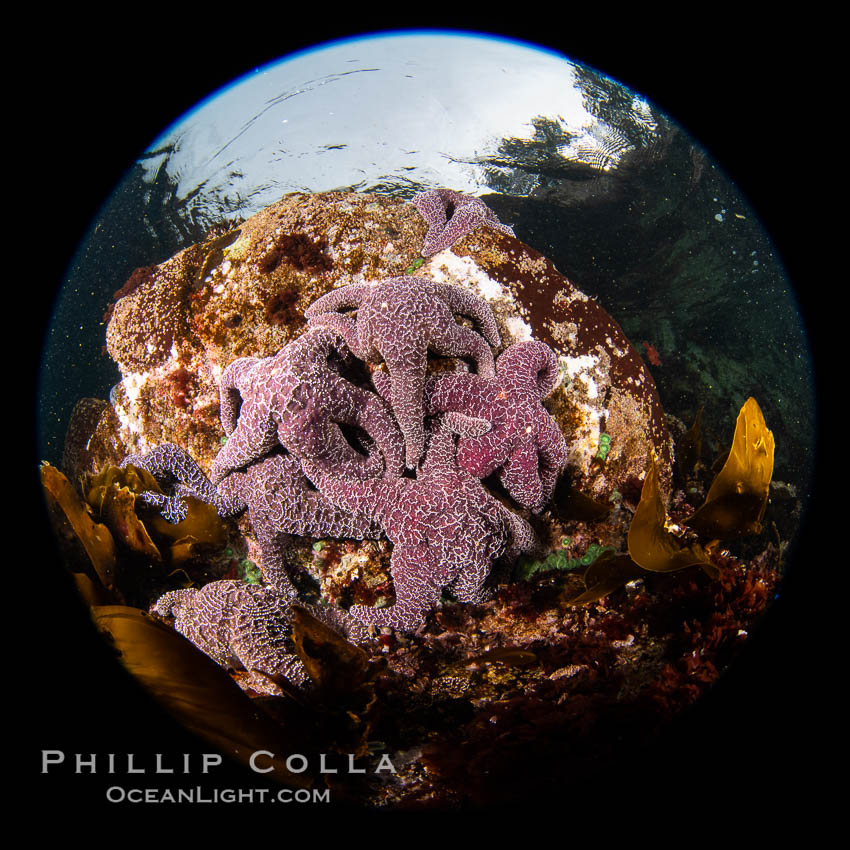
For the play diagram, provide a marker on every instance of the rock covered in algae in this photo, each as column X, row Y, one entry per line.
column 244, row 293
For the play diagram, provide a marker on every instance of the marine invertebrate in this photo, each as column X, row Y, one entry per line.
column 445, row 527
column 604, row 447
column 279, row 498
column 398, row 320
column 558, row 560
column 523, row 441
column 450, row 216
column 240, row 626
column 281, row 501
column 174, row 469
column 298, row 399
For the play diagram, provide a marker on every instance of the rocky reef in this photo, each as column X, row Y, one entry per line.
column 394, row 431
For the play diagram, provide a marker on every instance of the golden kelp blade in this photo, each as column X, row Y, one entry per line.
column 95, row 538
column 131, row 477
column 651, row 545
column 738, row 495
column 197, row 692
column 202, row 523
column 118, row 511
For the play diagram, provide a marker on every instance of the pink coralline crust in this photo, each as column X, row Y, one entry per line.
column 298, row 399
column 452, row 215
column 446, row 531
column 398, row 321
column 522, row 441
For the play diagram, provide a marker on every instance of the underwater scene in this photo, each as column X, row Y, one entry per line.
column 425, row 446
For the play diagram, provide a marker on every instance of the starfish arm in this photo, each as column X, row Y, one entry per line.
column 457, row 341
column 416, row 592
column 481, row 455
column 232, row 389
column 283, row 502
column 172, row 464
column 342, row 298
column 469, row 586
column 383, row 385
column 374, row 417
column 466, row 426
column 345, row 326
column 407, row 387
column 454, row 391
column 440, row 450
column 521, row 478
column 315, row 438
column 529, row 364
column 522, row 536
column 373, row 498
column 466, row 303
column 172, row 509
column 255, row 435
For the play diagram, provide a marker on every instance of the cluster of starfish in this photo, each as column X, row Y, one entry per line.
column 320, row 444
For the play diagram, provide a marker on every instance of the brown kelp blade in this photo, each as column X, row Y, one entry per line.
column 738, row 495
column 605, row 576
column 331, row 661
column 195, row 690
column 651, row 545
column 66, row 507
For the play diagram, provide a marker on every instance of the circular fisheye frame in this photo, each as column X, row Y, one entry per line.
column 428, row 443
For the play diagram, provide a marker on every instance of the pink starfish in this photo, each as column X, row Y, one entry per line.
column 523, row 441
column 298, row 399
column 450, row 216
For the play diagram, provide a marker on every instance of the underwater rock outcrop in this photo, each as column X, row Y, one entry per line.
column 593, row 383
column 541, row 435
column 213, row 300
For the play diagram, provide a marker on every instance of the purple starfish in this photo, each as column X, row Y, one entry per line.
column 298, row 399
column 450, row 216
column 175, row 470
column 398, row 320
column 242, row 626
column 279, row 497
column 446, row 531
column 281, row 501
column 523, row 441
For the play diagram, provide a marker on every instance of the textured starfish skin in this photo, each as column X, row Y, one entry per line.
column 298, row 399
column 175, row 470
column 281, row 501
column 279, row 497
column 239, row 626
column 450, row 216
column 523, row 441
column 446, row 530
column 397, row 321
column 242, row 626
